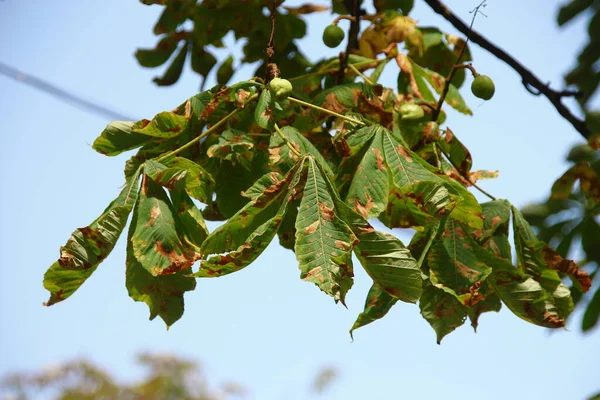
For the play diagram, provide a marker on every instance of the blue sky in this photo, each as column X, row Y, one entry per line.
column 262, row 326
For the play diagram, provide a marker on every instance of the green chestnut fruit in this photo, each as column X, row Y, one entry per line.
column 280, row 89
column 483, row 87
column 333, row 36
column 410, row 112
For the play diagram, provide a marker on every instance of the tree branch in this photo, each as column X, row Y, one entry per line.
column 530, row 81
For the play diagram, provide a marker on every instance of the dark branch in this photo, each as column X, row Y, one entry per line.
column 271, row 44
column 529, row 79
column 352, row 38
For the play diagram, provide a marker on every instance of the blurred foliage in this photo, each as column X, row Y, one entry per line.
column 569, row 221
column 167, row 377
column 585, row 75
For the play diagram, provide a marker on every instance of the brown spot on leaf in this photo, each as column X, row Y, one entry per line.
column 379, row 158
column 340, row 244
column 178, row 261
column 333, row 104
column 154, row 214
column 554, row 261
column 364, row 209
column 326, row 212
column 311, row 228
column 402, row 151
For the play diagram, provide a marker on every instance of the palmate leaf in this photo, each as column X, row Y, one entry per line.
column 394, row 179
column 239, row 241
column 88, row 247
column 324, row 241
column 162, row 294
column 158, row 239
column 377, row 305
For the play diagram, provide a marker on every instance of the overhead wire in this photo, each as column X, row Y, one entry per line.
column 61, row 94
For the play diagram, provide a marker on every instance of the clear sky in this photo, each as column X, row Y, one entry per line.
column 262, row 326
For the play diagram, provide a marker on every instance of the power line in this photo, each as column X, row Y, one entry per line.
column 69, row 98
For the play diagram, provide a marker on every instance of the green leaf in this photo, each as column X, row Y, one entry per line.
column 538, row 259
column 158, row 240
column 118, row 137
column 453, row 98
column 152, row 58
column 164, row 125
column 488, row 301
column 198, row 183
column 192, row 221
column 404, row 5
column 233, row 145
column 377, row 305
column 455, row 263
column 265, row 108
column 202, row 61
column 225, row 71
column 592, row 313
column 589, row 182
column 459, row 154
column 370, row 186
column 172, row 16
column 442, row 310
column 244, row 236
column 389, row 264
column 282, row 157
column 174, row 71
column 494, row 234
column 419, row 204
column 324, row 241
column 527, row 299
column 162, row 294
column 88, row 247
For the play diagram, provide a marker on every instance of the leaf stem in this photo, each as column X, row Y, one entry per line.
column 287, row 142
column 357, row 72
column 374, row 62
column 326, row 111
column 434, row 232
column 206, row 132
column 461, row 174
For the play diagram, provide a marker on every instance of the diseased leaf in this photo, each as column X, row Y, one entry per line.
column 377, row 305
column 455, row 263
column 265, row 110
column 118, row 137
column 197, row 182
column 369, row 190
column 390, row 264
column 192, row 221
column 244, row 236
column 282, row 157
column 459, row 154
column 589, row 182
column 225, row 71
column 538, row 259
column 419, row 204
column 324, row 241
column 162, row 294
column 442, row 310
column 88, row 247
column 158, row 239
column 163, row 125
column 488, row 302
column 437, row 81
column 233, row 145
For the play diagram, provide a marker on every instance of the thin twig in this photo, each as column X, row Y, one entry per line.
column 341, row 17
column 286, row 141
column 528, row 78
column 460, row 173
column 271, row 44
column 357, row 72
column 326, row 111
column 353, row 32
column 457, row 65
